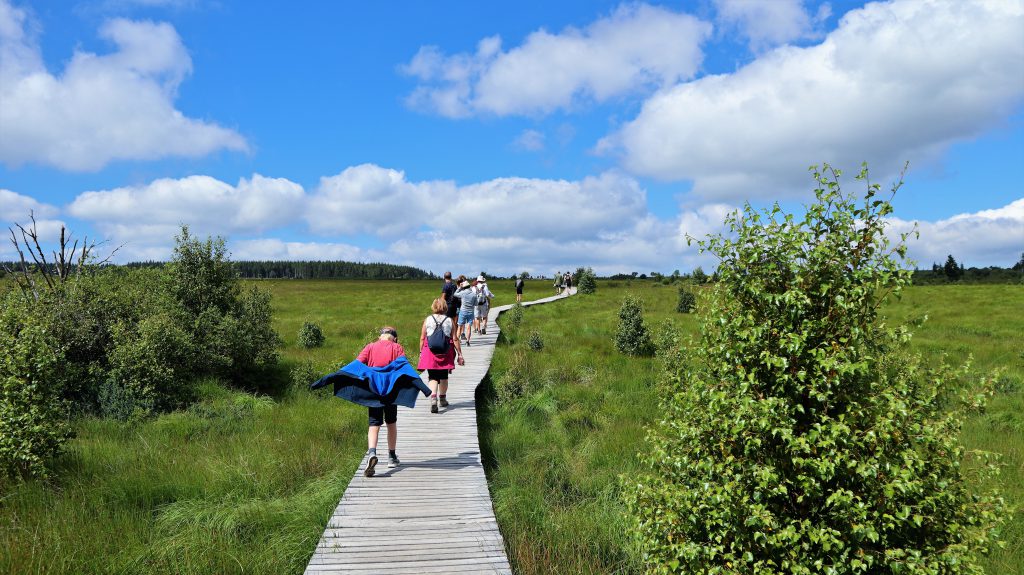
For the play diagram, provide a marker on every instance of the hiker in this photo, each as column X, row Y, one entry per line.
column 483, row 305
column 467, row 294
column 438, row 352
column 520, row 282
column 451, row 302
column 558, row 283
column 381, row 378
column 568, row 283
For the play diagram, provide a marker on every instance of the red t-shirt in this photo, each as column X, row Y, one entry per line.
column 380, row 353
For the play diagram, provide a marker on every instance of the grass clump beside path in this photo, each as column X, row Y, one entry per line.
column 574, row 423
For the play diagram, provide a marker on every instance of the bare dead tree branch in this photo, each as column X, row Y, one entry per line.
column 70, row 255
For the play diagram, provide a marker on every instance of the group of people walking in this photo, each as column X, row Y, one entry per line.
column 563, row 282
column 381, row 377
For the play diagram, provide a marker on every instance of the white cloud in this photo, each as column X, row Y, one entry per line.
column 980, row 239
column 529, row 141
column 276, row 249
column 149, row 216
column 769, row 23
column 15, row 207
column 636, row 48
column 102, row 108
column 894, row 82
column 369, row 199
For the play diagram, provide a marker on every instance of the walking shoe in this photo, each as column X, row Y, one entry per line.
column 433, row 407
column 393, row 461
column 370, row 465
column 444, row 402
column 462, row 337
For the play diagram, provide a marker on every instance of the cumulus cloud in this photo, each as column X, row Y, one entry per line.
column 895, row 81
column 149, row 216
column 979, row 239
column 276, row 249
column 769, row 23
column 369, row 199
column 116, row 106
column 636, row 48
column 529, row 141
column 15, row 207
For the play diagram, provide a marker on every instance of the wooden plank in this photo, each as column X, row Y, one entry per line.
column 433, row 513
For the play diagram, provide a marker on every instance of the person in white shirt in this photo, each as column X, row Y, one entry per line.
column 483, row 305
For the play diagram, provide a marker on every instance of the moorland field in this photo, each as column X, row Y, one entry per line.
column 244, row 480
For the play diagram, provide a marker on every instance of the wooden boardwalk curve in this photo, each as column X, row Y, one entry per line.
column 433, row 513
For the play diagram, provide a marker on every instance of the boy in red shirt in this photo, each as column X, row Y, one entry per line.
column 379, row 354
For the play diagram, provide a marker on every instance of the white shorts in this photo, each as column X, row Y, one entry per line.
column 480, row 311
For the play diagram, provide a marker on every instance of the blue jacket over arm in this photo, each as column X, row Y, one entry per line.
column 394, row 384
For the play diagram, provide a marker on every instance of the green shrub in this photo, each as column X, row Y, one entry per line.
column 151, row 368
column 310, row 335
column 33, row 416
column 519, row 379
column 515, row 317
column 687, row 300
column 586, row 281
column 801, row 436
column 303, row 375
column 535, row 341
column 632, row 336
column 698, row 275
column 232, row 327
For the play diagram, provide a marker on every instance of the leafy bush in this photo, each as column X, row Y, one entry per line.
column 232, row 327
column 515, row 316
column 310, row 335
column 586, row 281
column 535, row 341
column 698, row 275
column 303, row 375
column 687, row 300
column 150, row 367
column 801, row 436
column 33, row 416
column 519, row 379
column 632, row 336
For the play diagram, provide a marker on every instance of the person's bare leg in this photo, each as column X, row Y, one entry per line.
column 371, row 436
column 442, row 390
column 392, row 435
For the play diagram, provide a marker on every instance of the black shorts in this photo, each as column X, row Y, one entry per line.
column 438, row 374
column 381, row 415
column 519, row 291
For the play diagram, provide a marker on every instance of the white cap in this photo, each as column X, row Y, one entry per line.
column 480, row 279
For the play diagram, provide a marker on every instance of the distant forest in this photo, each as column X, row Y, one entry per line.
column 299, row 270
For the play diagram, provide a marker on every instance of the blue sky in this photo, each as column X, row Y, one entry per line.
column 529, row 136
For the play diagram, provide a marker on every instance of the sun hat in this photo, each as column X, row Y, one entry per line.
column 480, row 278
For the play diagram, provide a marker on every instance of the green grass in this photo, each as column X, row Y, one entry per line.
column 238, row 483
column 242, row 483
column 555, row 454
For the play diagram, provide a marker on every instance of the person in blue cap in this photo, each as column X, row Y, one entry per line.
column 381, row 379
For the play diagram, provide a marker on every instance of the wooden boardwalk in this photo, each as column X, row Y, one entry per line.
column 433, row 513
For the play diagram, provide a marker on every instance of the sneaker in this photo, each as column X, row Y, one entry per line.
column 433, row 407
column 462, row 337
column 370, row 466
column 393, row 461
column 444, row 402
column 483, row 332
column 467, row 343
